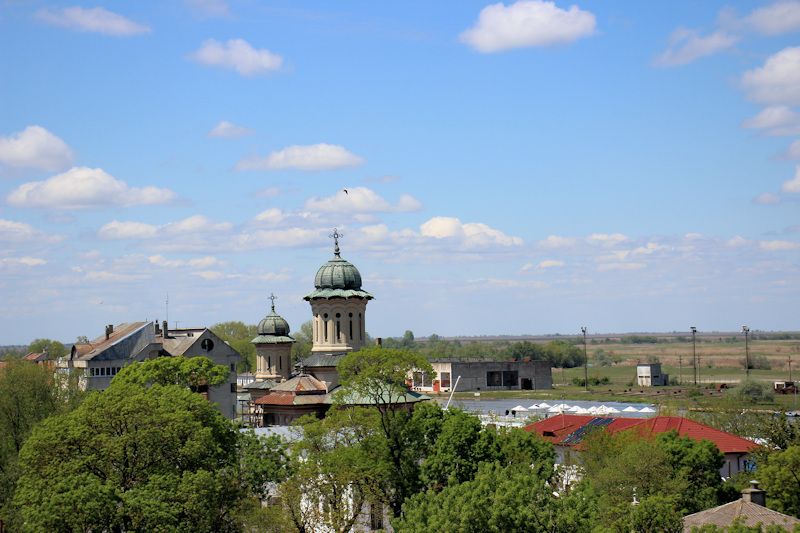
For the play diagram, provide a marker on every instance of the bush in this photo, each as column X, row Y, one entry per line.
column 752, row 392
column 758, row 362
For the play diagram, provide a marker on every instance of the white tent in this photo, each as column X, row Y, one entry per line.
column 581, row 411
column 630, row 409
column 544, row 405
column 519, row 409
column 592, row 410
column 555, row 409
column 602, row 410
column 647, row 410
column 532, row 407
column 563, row 406
column 611, row 410
column 575, row 409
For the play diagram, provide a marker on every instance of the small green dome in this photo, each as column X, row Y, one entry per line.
column 338, row 273
column 273, row 324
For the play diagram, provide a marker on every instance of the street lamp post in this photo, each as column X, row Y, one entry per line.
column 585, row 361
column 695, row 362
column 746, row 331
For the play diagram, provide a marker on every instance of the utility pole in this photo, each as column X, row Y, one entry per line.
column 746, row 331
column 695, row 362
column 585, row 361
column 680, row 368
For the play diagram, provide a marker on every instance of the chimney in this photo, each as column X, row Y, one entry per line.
column 164, row 327
column 755, row 495
column 379, row 342
column 109, row 331
column 156, row 327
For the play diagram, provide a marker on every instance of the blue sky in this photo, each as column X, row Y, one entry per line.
column 513, row 168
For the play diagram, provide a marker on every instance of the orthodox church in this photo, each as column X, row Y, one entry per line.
column 338, row 310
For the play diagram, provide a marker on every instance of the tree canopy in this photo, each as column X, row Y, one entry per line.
column 191, row 372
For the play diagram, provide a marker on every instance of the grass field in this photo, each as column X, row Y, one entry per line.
column 721, row 361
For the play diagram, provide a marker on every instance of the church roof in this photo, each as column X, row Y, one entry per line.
column 321, row 360
column 273, row 328
column 749, row 513
column 302, row 384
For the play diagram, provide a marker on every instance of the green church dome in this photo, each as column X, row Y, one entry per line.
column 273, row 328
column 338, row 273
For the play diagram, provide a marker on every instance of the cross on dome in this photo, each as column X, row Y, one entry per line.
column 272, row 297
column 335, row 236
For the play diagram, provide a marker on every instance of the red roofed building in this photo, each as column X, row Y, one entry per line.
column 567, row 432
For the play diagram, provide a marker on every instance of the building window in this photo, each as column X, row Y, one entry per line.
column 421, row 379
column 233, row 388
column 444, row 379
column 233, row 367
column 494, row 379
column 325, row 326
column 510, row 378
column 375, row 517
column 338, row 330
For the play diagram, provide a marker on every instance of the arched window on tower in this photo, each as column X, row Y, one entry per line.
column 360, row 327
column 326, row 326
column 351, row 326
column 338, row 328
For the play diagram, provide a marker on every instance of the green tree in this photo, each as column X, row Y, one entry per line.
column 497, row 499
column 698, row 464
column 338, row 468
column 304, row 341
column 53, row 348
column 189, row 372
column 27, row 395
column 379, row 375
column 263, row 460
column 655, row 514
column 780, row 477
column 131, row 458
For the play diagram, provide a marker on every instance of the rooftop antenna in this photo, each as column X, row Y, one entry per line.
column 336, row 236
column 166, row 303
column 272, row 297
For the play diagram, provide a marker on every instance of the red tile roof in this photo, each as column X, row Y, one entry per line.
column 568, row 430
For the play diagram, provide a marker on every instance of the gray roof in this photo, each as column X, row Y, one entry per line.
column 322, row 359
column 126, row 342
column 272, row 339
column 263, row 384
column 338, row 293
column 750, row 513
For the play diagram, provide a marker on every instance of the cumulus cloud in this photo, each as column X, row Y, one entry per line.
column 229, row 130
column 527, row 23
column 23, row 261
column 779, row 246
column 767, row 198
column 792, row 185
column 793, row 152
column 308, row 157
column 12, row 231
column 361, row 200
column 83, row 187
column 554, row 241
column 550, row 263
column 209, row 8
column 778, row 81
column 775, row 19
column 776, row 121
column 93, row 20
column 471, row 234
column 606, row 239
column 686, row 45
column 272, row 216
column 238, row 55
column 606, row 267
column 196, row 224
column 737, row 241
column 35, row 147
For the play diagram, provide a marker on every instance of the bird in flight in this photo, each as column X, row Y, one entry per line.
column 345, row 191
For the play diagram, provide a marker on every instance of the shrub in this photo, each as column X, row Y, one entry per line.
column 752, row 392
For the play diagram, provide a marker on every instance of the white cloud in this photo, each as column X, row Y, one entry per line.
column 778, row 81
column 35, row 147
column 81, row 188
column 551, row 263
column 777, row 18
column 115, row 277
column 309, row 157
column 271, row 216
column 792, row 185
column 776, row 120
column 793, row 152
column 116, row 230
column 606, row 239
column 12, row 231
column 269, row 192
column 649, row 248
column 209, row 8
column 527, row 23
column 361, row 200
column 193, row 225
column 229, row 130
column 289, row 237
column 238, row 55
column 606, row 267
column 767, row 198
column 471, row 234
column 554, row 241
column 23, row 261
column 212, row 275
column 94, row 20
column 197, row 262
column 737, row 241
column 686, row 45
column 779, row 246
